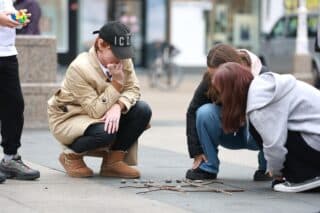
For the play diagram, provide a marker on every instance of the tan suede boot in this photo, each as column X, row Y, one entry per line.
column 114, row 166
column 74, row 165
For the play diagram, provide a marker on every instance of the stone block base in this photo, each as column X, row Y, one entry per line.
column 36, row 96
column 303, row 68
column 37, row 58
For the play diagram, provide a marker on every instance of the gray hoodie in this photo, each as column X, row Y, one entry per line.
column 278, row 103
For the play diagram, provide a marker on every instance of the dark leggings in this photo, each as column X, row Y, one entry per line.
column 131, row 127
column 302, row 162
column 11, row 105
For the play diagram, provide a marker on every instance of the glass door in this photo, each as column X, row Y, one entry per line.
column 131, row 13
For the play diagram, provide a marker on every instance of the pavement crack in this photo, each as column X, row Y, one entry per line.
column 15, row 201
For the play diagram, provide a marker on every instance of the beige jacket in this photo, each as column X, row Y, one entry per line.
column 86, row 95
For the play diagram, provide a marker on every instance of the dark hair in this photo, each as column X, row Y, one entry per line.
column 220, row 54
column 245, row 58
column 231, row 83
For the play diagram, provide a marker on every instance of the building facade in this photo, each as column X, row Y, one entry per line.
column 192, row 26
column 73, row 21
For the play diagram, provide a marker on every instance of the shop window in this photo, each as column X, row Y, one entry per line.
column 130, row 13
column 279, row 29
column 312, row 25
column 90, row 21
column 292, row 27
column 236, row 22
column 156, row 17
column 55, row 22
column 293, row 24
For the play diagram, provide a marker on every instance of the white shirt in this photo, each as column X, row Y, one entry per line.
column 7, row 35
column 106, row 71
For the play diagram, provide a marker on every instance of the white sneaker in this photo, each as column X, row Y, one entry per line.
column 297, row 187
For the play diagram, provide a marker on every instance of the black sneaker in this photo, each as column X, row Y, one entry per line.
column 275, row 182
column 297, row 187
column 2, row 177
column 198, row 174
column 15, row 168
column 261, row 175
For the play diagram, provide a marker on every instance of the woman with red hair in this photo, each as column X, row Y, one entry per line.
column 284, row 118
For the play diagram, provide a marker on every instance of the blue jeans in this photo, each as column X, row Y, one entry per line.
column 211, row 135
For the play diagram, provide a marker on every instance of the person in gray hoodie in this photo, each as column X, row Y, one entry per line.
column 284, row 117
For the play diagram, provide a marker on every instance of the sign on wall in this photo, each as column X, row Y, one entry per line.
column 245, row 33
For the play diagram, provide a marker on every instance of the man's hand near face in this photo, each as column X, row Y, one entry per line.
column 116, row 71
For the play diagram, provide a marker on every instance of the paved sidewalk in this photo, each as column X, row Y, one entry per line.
column 55, row 192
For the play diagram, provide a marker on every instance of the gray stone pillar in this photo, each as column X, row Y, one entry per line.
column 38, row 72
column 303, row 68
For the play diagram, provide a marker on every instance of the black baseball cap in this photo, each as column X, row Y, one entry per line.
column 119, row 37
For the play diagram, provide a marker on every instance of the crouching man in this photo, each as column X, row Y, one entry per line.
column 98, row 106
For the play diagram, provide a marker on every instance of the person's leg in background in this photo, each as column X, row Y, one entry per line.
column 211, row 135
column 301, row 167
column 260, row 174
column 11, row 115
column 208, row 132
column 255, row 143
column 94, row 137
column 132, row 125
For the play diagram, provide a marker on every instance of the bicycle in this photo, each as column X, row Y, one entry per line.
column 164, row 73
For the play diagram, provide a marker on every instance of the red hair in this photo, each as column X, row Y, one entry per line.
column 231, row 83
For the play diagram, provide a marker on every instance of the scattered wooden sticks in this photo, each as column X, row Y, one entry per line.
column 183, row 186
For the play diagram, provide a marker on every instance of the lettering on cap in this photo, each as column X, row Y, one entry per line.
column 122, row 41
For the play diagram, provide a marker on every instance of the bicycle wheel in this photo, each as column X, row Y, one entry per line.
column 170, row 77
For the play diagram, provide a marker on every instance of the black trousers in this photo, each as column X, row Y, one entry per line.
column 131, row 127
column 302, row 161
column 11, row 105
